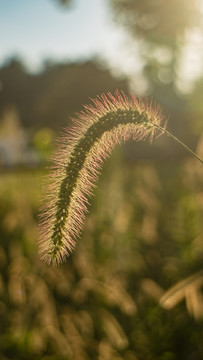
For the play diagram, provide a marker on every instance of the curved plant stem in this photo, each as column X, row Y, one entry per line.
column 178, row 141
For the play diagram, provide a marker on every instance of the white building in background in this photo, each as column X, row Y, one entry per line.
column 13, row 141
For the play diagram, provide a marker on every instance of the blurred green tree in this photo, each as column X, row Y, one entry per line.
column 49, row 98
column 163, row 29
column 66, row 3
column 161, row 26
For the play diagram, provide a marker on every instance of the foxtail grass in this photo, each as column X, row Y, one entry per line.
column 95, row 131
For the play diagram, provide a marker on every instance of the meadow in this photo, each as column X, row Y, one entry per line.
column 142, row 235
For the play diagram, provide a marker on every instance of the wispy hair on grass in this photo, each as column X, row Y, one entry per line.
column 95, row 131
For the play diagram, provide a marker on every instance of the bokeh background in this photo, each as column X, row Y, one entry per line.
column 143, row 234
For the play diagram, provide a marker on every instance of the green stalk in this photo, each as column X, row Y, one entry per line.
column 178, row 141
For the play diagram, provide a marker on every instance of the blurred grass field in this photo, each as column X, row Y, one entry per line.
column 132, row 290
column 143, row 234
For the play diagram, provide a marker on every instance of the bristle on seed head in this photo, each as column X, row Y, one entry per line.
column 111, row 119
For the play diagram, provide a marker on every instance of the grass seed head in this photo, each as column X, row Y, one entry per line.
column 111, row 119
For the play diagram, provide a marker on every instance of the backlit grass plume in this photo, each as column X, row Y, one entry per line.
column 110, row 120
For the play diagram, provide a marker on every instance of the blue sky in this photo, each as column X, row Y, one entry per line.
column 41, row 29
column 37, row 30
